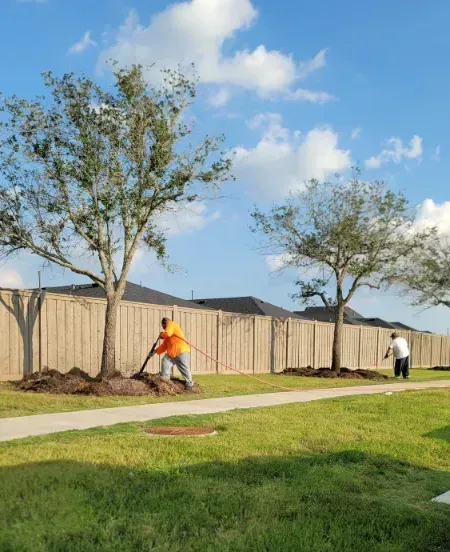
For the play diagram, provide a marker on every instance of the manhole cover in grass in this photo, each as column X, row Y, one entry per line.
column 169, row 431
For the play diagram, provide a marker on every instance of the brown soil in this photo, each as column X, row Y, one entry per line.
column 175, row 431
column 441, row 368
column 345, row 373
column 78, row 382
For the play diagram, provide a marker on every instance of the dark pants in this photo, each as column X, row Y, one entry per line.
column 402, row 367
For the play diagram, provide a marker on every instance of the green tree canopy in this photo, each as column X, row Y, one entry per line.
column 93, row 169
column 353, row 235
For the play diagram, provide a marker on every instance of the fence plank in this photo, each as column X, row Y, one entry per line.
column 70, row 344
column 86, row 338
column 77, row 333
column 35, row 334
column 5, row 350
column 61, row 331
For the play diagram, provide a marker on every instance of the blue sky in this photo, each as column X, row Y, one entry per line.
column 301, row 89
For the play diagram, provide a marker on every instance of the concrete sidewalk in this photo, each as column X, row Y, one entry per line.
column 17, row 428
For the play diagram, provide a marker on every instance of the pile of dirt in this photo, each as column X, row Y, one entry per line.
column 441, row 368
column 163, row 388
column 345, row 373
column 78, row 382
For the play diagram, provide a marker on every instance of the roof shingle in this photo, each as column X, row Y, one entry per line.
column 133, row 292
column 322, row 314
column 246, row 305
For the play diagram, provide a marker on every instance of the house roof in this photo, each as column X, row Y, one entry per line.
column 133, row 292
column 322, row 314
column 246, row 305
column 347, row 310
column 376, row 323
column 401, row 326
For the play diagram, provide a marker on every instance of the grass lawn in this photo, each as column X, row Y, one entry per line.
column 19, row 403
column 341, row 475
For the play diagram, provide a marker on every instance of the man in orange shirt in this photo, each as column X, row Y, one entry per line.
column 177, row 352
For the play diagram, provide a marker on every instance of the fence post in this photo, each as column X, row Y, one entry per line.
column 360, row 347
column 175, row 313
column 378, row 345
column 288, row 351
column 431, row 351
column 254, row 345
column 219, row 338
column 440, row 353
column 315, row 344
column 40, row 327
column 410, row 348
column 421, row 349
column 272, row 347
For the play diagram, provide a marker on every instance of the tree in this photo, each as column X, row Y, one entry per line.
column 91, row 170
column 351, row 235
column 425, row 278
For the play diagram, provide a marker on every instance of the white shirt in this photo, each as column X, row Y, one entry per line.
column 400, row 347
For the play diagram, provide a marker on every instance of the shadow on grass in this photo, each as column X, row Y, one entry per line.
column 348, row 501
column 442, row 433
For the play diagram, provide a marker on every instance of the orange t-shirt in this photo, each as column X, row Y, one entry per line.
column 172, row 344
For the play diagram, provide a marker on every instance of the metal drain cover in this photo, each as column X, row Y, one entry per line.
column 169, row 431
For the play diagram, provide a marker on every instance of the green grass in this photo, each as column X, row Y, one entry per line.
column 341, row 475
column 19, row 403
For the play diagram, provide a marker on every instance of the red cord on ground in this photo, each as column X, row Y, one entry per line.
column 238, row 371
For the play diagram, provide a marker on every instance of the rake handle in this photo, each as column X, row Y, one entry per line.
column 149, row 356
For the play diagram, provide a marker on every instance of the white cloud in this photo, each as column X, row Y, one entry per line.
column 185, row 219
column 431, row 214
column 396, row 151
column 437, row 154
column 305, row 68
column 10, row 279
column 195, row 31
column 356, row 133
column 221, row 98
column 284, row 160
column 311, row 96
column 82, row 44
column 278, row 262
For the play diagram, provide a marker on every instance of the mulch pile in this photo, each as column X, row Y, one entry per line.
column 441, row 368
column 345, row 373
column 78, row 382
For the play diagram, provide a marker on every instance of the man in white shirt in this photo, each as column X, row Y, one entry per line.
column 399, row 347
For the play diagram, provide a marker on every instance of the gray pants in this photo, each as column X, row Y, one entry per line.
column 182, row 362
column 402, row 367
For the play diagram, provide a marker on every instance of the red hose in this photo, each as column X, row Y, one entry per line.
column 238, row 371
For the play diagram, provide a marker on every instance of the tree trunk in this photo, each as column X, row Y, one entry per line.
column 109, row 341
column 337, row 340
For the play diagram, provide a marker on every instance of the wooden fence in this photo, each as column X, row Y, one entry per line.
column 60, row 332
